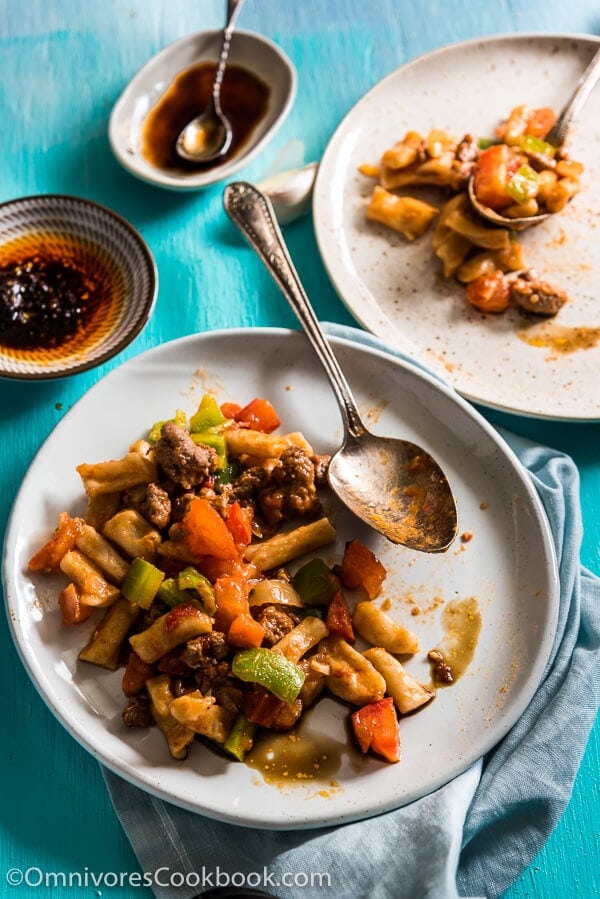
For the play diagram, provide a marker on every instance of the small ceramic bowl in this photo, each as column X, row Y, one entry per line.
column 249, row 51
column 77, row 284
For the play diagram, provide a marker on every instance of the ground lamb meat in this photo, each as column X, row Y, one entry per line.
column 156, row 506
column 465, row 157
column 180, row 505
column 219, row 501
column 250, row 482
column 181, row 686
column 207, row 646
column 321, row 467
column 137, row 712
column 292, row 490
column 276, row 621
column 228, row 695
column 294, row 467
column 468, row 149
column 183, row 461
column 285, row 489
column 279, row 503
column 536, row 296
column 173, row 664
column 212, row 674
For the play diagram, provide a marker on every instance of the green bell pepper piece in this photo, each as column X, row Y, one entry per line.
column 524, row 184
column 171, row 595
column 208, row 415
column 228, row 473
column 190, row 579
column 536, row 145
column 315, row 583
column 241, row 738
column 485, row 142
column 142, row 582
column 270, row 669
column 179, row 419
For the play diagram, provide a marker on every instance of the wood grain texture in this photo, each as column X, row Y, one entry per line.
column 63, row 64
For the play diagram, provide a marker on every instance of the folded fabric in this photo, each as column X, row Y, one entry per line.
column 473, row 836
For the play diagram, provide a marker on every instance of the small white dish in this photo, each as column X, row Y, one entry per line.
column 89, row 238
column 250, row 51
column 509, row 567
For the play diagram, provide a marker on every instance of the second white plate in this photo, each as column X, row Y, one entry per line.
column 394, row 288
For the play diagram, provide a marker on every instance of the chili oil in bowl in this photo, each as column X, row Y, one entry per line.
column 259, row 88
column 77, row 284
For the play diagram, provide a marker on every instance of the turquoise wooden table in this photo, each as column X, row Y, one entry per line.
column 62, row 66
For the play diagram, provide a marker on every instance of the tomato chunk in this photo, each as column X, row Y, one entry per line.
column 135, row 675
column 361, row 568
column 259, row 415
column 216, row 568
column 231, row 596
column 489, row 293
column 48, row 558
column 540, row 121
column 245, row 632
column 376, row 728
column 495, row 168
column 206, row 532
column 239, row 523
column 339, row 619
column 230, row 410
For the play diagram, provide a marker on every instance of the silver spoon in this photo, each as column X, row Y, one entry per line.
column 393, row 485
column 556, row 137
column 209, row 135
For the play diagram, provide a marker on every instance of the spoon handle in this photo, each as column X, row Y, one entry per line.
column 252, row 212
column 558, row 133
column 233, row 10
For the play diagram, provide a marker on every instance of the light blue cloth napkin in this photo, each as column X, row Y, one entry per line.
column 474, row 836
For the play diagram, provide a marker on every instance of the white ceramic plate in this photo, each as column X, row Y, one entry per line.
column 395, row 289
column 508, row 566
column 253, row 52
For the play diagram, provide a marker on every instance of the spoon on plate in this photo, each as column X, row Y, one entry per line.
column 209, row 135
column 556, row 137
column 393, row 485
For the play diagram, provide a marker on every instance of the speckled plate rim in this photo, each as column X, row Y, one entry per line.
column 124, row 108
column 513, row 547
column 144, row 313
column 337, row 241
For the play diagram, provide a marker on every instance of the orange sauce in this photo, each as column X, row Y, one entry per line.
column 560, row 338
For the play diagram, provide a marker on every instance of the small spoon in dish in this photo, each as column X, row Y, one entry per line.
column 393, row 485
column 556, row 137
column 209, row 135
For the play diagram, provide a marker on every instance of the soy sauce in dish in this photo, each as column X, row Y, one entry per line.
column 244, row 100
column 57, row 296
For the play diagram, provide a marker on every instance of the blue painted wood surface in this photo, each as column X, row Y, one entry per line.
column 63, row 64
